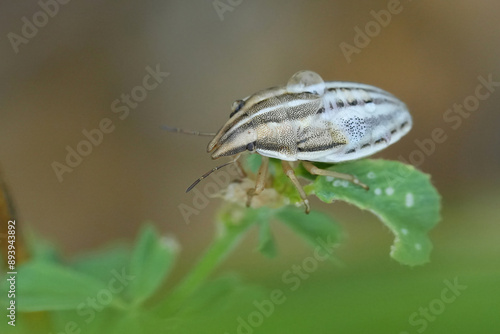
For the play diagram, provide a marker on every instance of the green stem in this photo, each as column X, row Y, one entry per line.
column 216, row 252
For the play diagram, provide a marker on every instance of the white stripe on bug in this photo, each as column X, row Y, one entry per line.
column 291, row 104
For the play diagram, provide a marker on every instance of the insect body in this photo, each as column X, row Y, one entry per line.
column 314, row 121
column 309, row 120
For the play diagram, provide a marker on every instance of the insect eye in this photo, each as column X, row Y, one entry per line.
column 251, row 146
column 236, row 107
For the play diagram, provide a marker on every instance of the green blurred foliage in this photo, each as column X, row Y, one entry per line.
column 108, row 291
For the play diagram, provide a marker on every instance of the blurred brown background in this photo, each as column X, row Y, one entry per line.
column 64, row 80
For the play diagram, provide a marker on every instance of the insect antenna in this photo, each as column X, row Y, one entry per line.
column 207, row 174
column 187, row 132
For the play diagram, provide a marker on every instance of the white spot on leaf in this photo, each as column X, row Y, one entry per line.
column 404, row 231
column 329, row 178
column 341, row 183
column 418, row 246
column 378, row 191
column 409, row 200
column 389, row 191
column 371, row 175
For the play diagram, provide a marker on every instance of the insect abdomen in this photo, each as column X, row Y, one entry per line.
column 370, row 118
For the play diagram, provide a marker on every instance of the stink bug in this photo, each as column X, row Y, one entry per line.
column 309, row 120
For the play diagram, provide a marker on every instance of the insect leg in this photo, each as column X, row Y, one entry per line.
column 260, row 182
column 287, row 168
column 323, row 172
column 239, row 168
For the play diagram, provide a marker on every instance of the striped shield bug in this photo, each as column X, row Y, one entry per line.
column 309, row 120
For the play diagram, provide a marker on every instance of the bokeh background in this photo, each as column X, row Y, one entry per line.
column 431, row 54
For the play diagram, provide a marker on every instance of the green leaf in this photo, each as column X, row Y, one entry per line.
column 401, row 196
column 318, row 229
column 225, row 297
column 151, row 262
column 267, row 245
column 232, row 222
column 46, row 287
column 129, row 323
column 101, row 264
column 210, row 293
